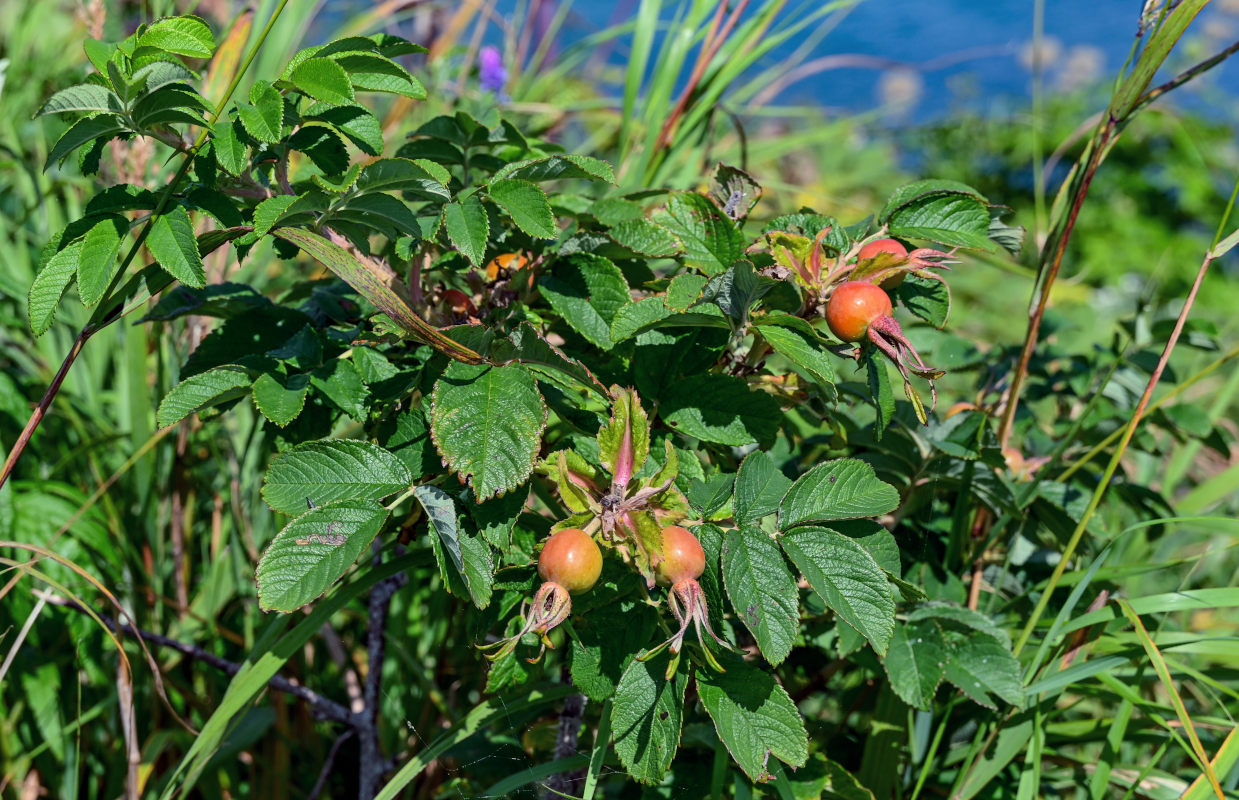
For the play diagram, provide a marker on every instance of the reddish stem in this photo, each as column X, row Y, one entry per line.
column 41, row 409
column 713, row 41
column 1056, row 260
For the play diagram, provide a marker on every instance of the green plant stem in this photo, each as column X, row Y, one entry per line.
column 1128, row 431
column 598, row 758
column 928, row 762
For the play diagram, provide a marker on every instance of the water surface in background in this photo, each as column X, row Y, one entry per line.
column 935, row 55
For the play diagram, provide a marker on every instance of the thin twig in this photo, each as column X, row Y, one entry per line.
column 328, row 763
column 322, row 706
column 1105, row 138
column 1049, row 274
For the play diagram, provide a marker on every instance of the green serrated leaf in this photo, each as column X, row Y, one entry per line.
column 633, row 318
column 588, row 291
column 85, row 97
column 926, row 298
column 737, row 290
column 487, row 424
column 941, row 211
column 840, row 489
column 646, row 715
column 915, row 662
column 230, row 149
column 762, row 591
column 880, row 390
column 104, row 126
column 371, row 72
column 323, row 472
column 263, row 116
column 404, row 175
column 268, row 212
column 323, row 79
column 185, row 36
column 606, row 640
column 173, row 244
column 314, row 550
column 981, row 666
column 759, row 488
column 645, row 237
column 558, row 167
column 795, row 340
column 527, row 205
column 324, row 147
column 721, row 409
column 341, row 383
column 361, row 127
column 202, row 390
column 165, row 72
column 847, row 579
column 711, row 240
column 468, row 227
column 279, row 399
column 684, row 290
column 496, row 518
column 754, row 717
column 50, row 285
column 960, row 616
column 467, row 552
column 710, row 494
column 381, row 212
column 97, row 263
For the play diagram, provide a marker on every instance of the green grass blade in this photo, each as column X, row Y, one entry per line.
column 484, row 714
column 598, row 759
column 269, row 655
column 1163, row 672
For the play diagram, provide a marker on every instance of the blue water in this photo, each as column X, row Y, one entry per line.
column 946, row 54
column 966, row 52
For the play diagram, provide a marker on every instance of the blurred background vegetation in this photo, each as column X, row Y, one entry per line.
column 828, row 105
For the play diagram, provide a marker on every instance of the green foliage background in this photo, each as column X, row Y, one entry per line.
column 171, row 521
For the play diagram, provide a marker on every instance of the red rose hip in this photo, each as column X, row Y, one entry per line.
column 683, row 557
column 572, row 559
column 853, row 307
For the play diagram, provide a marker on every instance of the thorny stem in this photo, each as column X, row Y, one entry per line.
column 563, row 784
column 1050, row 273
column 41, row 409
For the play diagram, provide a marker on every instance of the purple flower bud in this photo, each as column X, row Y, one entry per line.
column 491, row 70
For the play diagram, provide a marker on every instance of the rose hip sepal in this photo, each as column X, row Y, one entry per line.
column 627, row 511
column 570, row 563
column 683, row 561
